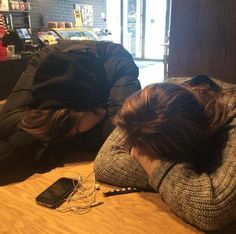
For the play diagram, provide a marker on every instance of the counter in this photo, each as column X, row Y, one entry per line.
column 10, row 71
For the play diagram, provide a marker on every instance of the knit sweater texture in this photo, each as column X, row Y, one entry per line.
column 206, row 200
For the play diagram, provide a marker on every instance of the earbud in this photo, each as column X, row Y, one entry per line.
column 74, row 208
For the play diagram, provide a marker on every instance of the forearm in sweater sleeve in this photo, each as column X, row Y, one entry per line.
column 114, row 165
column 207, row 201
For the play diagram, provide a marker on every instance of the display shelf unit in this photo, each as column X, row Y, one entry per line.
column 17, row 15
column 17, row 19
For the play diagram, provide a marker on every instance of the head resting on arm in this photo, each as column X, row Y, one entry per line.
column 172, row 122
column 66, row 97
column 50, row 125
column 54, row 126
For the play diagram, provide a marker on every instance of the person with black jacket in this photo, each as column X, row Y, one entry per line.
column 67, row 96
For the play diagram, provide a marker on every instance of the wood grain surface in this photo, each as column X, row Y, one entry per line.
column 202, row 39
column 2, row 101
column 138, row 213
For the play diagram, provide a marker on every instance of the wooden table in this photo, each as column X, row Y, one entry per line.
column 136, row 213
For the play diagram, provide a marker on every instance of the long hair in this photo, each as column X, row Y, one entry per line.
column 50, row 125
column 172, row 122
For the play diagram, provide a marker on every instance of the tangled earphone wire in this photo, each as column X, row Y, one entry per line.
column 83, row 197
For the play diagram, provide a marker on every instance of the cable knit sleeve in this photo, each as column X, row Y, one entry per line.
column 207, row 201
column 114, row 165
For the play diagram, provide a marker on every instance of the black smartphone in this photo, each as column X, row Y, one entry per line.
column 57, row 193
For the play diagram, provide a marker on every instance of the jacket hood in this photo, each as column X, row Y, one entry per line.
column 67, row 80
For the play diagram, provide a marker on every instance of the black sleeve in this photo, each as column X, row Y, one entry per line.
column 121, row 90
column 122, row 74
column 21, row 94
column 118, row 62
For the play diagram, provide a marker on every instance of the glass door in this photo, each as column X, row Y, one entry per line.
column 140, row 26
column 155, row 18
column 143, row 32
column 113, row 19
column 132, row 18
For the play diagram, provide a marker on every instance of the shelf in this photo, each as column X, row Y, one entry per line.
column 4, row 12
column 12, row 12
column 17, row 19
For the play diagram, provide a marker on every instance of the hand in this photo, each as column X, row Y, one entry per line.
column 90, row 119
column 147, row 162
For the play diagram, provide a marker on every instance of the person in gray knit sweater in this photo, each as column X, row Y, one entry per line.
column 179, row 139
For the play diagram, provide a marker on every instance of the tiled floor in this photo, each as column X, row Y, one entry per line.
column 150, row 72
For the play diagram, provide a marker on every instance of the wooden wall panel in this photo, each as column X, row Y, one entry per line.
column 203, row 39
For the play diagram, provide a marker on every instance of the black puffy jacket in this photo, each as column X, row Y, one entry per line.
column 96, row 72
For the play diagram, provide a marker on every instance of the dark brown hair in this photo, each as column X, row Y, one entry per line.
column 172, row 122
column 50, row 125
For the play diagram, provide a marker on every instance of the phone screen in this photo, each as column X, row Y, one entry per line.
column 55, row 194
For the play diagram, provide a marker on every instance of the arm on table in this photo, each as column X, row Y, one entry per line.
column 207, row 201
column 114, row 164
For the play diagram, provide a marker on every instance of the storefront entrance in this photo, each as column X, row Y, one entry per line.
column 144, row 31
